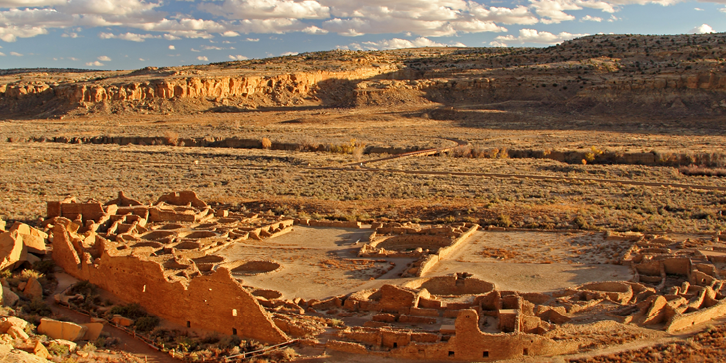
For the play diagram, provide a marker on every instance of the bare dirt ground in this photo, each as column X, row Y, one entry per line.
column 534, row 262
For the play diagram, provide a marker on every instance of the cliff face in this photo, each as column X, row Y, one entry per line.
column 672, row 75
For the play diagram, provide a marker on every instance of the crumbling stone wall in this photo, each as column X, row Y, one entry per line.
column 214, row 302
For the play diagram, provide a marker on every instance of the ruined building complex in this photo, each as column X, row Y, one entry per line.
column 166, row 257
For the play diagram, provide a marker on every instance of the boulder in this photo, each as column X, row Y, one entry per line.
column 71, row 345
column 11, row 321
column 9, row 297
column 12, row 249
column 33, row 239
column 41, row 351
column 17, row 333
column 33, row 289
column 122, row 321
column 93, row 331
column 61, row 329
column 19, row 356
column 2, row 225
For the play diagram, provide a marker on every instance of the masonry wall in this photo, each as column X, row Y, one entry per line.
column 208, row 302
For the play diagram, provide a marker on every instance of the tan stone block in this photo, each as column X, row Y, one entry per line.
column 61, row 329
column 41, row 351
column 11, row 249
column 122, row 321
column 11, row 321
column 93, row 331
column 17, row 333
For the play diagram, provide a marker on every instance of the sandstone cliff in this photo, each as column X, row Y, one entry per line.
column 673, row 75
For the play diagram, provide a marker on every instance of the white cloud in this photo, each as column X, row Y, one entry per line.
column 289, row 53
column 697, row 9
column 203, row 58
column 702, row 29
column 723, row 10
column 591, row 18
column 314, row 30
column 268, row 9
column 104, row 58
column 2, row 54
column 70, row 35
column 534, row 36
column 397, row 43
column 73, row 58
column 29, row 3
column 133, row 37
column 518, row 15
column 237, row 57
column 497, row 44
column 142, row 59
column 16, row 54
column 252, row 39
column 172, row 47
column 230, row 34
column 94, row 64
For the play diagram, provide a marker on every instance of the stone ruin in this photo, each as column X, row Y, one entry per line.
column 427, row 244
column 163, row 256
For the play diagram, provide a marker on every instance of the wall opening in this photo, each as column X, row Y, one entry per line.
column 395, row 345
column 451, row 353
column 189, row 324
column 525, row 352
column 234, row 331
column 485, row 354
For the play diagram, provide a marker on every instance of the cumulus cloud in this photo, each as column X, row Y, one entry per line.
column 16, row 54
column 253, row 39
column 172, row 47
column 591, row 18
column 29, row 3
column 397, row 43
column 94, row 64
column 534, row 36
column 495, row 43
column 2, row 54
column 230, row 34
column 702, row 29
column 203, row 58
column 133, row 37
column 266, row 9
column 289, row 53
column 70, row 35
column 314, row 30
column 237, row 57
column 104, row 58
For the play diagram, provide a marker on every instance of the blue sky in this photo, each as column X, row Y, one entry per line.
column 131, row 34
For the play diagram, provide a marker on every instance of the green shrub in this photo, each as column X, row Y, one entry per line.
column 146, row 323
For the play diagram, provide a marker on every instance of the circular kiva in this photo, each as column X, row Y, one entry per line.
column 267, row 294
column 256, row 267
column 451, row 286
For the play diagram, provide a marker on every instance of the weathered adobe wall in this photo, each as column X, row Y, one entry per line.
column 432, row 260
column 468, row 344
column 206, row 303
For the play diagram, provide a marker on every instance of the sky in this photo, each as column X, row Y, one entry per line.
column 132, row 34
